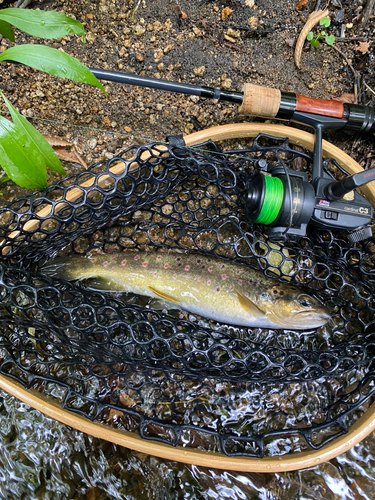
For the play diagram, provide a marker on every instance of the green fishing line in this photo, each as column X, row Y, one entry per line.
column 273, row 199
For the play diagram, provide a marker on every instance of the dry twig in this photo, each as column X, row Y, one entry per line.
column 355, row 72
column 369, row 10
column 368, row 88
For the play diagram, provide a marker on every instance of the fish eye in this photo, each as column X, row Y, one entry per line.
column 305, row 301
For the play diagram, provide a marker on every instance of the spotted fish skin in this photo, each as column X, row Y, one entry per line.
column 204, row 285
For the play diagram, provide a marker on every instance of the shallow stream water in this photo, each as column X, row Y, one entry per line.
column 42, row 459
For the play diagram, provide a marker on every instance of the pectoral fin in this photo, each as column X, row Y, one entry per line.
column 275, row 319
column 249, row 306
column 103, row 284
column 163, row 296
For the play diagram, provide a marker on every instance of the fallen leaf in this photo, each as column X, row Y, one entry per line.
column 72, row 156
column 65, row 151
column 126, row 400
column 114, row 415
column 250, row 3
column 345, row 98
column 93, row 492
column 56, row 141
column 226, row 13
column 362, row 47
column 301, row 4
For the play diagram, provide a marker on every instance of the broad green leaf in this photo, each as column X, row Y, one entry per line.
column 315, row 43
column 41, row 23
column 325, row 22
column 20, row 162
column 310, row 36
column 6, row 30
column 51, row 61
column 37, row 141
column 330, row 40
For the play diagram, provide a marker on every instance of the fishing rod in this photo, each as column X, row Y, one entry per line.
column 259, row 101
column 279, row 197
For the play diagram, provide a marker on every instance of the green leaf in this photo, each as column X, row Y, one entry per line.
column 21, row 164
column 315, row 43
column 37, row 141
column 6, row 31
column 330, row 40
column 325, row 22
column 51, row 61
column 43, row 24
column 310, row 36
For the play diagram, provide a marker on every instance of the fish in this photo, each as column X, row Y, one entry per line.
column 216, row 289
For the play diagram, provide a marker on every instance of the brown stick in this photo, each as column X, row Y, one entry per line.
column 312, row 21
column 369, row 10
column 355, row 73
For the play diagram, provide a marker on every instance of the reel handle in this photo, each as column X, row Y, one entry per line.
column 338, row 189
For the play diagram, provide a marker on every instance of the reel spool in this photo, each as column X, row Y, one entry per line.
column 283, row 201
column 361, row 428
column 287, row 202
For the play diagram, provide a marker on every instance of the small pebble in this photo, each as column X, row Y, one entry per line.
column 92, row 143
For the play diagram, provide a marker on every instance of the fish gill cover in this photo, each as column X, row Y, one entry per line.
column 170, row 375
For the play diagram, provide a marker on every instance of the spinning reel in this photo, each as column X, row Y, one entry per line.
column 286, row 201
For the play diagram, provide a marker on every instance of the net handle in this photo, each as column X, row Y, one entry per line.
column 358, row 431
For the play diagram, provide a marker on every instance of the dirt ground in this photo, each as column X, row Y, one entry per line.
column 186, row 41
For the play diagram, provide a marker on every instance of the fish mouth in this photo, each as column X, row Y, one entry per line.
column 316, row 318
column 314, row 312
column 313, row 318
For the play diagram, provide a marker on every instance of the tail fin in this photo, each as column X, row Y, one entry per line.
column 64, row 268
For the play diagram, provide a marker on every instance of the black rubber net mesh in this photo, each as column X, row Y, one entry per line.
column 172, row 376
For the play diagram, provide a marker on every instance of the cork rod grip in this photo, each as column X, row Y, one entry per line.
column 260, row 101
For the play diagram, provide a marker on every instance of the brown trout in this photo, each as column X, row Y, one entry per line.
column 207, row 286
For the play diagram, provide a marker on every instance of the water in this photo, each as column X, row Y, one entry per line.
column 42, row 459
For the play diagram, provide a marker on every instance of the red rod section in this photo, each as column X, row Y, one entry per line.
column 320, row 107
